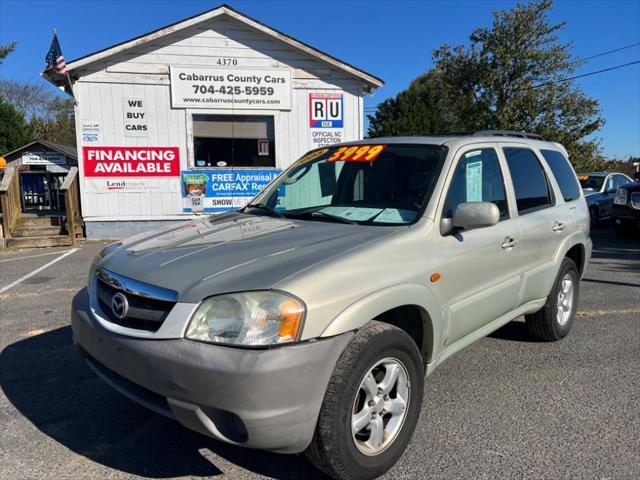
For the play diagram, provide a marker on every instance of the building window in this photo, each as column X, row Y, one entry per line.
column 233, row 141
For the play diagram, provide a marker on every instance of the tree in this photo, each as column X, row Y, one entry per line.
column 51, row 117
column 14, row 130
column 418, row 110
column 6, row 49
column 30, row 99
column 510, row 76
column 57, row 124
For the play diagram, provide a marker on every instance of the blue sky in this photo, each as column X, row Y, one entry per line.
column 391, row 39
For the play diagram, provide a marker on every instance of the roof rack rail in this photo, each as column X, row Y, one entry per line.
column 508, row 133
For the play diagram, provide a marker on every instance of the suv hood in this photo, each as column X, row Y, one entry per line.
column 234, row 252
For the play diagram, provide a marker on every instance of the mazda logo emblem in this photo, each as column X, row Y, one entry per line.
column 119, row 305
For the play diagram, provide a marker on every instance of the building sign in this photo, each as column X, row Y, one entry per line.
column 131, row 185
column 90, row 131
column 326, row 137
column 43, row 158
column 325, row 110
column 131, row 161
column 215, row 191
column 263, row 147
column 326, row 119
column 135, row 118
column 194, row 87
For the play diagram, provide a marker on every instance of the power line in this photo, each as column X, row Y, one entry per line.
column 605, row 53
column 585, row 74
column 374, row 109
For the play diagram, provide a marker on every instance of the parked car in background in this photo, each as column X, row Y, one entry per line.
column 307, row 320
column 600, row 189
column 625, row 210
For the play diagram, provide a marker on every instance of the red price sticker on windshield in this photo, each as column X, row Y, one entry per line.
column 357, row 153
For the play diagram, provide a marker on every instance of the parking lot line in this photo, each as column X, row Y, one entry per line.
column 28, row 257
column 37, row 270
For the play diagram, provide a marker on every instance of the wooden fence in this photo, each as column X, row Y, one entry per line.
column 10, row 201
column 71, row 191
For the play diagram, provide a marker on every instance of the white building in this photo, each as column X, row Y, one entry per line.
column 217, row 102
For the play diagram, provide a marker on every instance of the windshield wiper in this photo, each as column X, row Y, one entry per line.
column 266, row 208
column 337, row 218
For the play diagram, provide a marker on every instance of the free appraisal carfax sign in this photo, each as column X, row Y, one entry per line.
column 131, row 161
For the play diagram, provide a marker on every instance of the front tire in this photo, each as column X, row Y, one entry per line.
column 555, row 319
column 371, row 406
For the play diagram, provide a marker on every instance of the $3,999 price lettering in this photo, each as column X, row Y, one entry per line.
column 357, row 153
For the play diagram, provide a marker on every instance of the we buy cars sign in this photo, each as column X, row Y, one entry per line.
column 131, row 161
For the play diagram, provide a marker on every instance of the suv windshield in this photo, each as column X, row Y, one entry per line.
column 591, row 182
column 376, row 184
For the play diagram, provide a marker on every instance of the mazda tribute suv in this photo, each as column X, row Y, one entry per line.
column 308, row 320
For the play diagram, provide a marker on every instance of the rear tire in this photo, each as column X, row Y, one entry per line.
column 555, row 319
column 342, row 449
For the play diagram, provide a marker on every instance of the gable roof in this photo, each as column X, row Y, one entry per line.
column 371, row 80
column 67, row 150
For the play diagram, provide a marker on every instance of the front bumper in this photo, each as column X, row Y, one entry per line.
column 268, row 398
column 625, row 214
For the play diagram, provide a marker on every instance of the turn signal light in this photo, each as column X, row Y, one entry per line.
column 291, row 312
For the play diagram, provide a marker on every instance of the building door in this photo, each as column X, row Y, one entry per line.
column 41, row 191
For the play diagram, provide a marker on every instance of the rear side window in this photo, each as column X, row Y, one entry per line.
column 478, row 178
column 563, row 172
column 529, row 180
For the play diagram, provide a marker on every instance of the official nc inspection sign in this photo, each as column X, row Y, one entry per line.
column 326, row 110
column 216, row 191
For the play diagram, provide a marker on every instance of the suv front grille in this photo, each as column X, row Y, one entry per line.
column 148, row 305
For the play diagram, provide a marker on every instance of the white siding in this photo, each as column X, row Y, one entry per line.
column 143, row 73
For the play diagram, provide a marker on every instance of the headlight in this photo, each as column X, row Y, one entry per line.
column 621, row 197
column 248, row 319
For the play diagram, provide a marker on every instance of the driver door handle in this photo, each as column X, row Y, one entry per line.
column 558, row 226
column 509, row 242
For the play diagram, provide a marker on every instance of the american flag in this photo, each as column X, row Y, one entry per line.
column 54, row 58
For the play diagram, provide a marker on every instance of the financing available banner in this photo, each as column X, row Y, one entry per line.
column 215, row 191
column 131, row 161
column 131, row 169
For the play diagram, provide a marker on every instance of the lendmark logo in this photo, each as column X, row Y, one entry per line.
column 119, row 305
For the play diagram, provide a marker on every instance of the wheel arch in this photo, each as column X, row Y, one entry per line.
column 411, row 307
column 575, row 247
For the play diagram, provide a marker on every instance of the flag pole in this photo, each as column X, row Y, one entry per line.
column 75, row 102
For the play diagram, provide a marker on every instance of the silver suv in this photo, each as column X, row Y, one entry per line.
column 308, row 320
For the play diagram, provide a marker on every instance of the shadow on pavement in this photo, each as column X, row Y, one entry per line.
column 48, row 383
column 515, row 331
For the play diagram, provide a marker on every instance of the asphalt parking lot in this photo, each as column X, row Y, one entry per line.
column 506, row 407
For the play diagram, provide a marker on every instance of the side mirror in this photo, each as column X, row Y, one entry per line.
column 471, row 215
column 611, row 190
